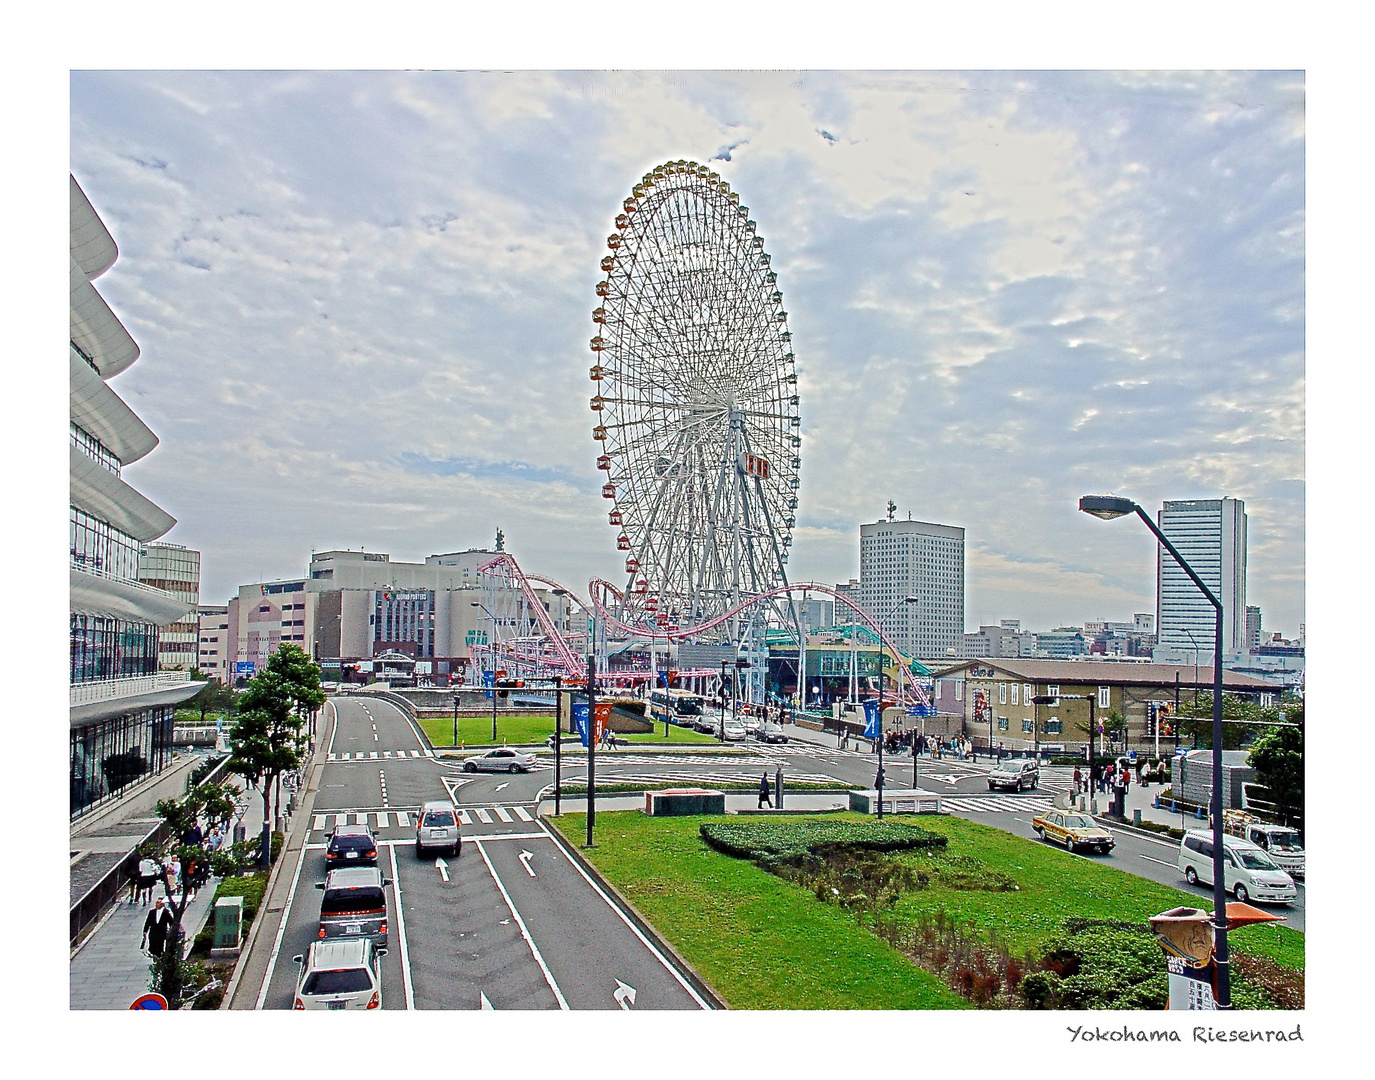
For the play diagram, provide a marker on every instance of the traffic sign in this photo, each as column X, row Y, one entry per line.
column 149, row 1001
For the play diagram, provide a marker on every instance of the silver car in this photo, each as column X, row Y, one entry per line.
column 1014, row 774
column 436, row 826
column 735, row 731
column 502, row 759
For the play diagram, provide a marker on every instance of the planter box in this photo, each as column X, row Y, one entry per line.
column 684, row 802
column 896, row 801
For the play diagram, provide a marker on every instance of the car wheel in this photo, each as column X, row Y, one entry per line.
column 1190, row 875
column 1033, row 785
column 513, row 769
column 784, row 739
column 1069, row 844
column 1240, row 893
column 991, row 787
column 468, row 766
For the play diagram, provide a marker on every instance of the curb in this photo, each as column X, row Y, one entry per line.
column 301, row 816
column 646, row 927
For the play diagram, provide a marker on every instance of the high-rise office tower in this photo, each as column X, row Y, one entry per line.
column 898, row 559
column 1211, row 536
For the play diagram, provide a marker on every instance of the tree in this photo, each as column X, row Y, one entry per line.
column 168, row 970
column 268, row 739
column 1277, row 758
column 214, row 696
column 1240, row 717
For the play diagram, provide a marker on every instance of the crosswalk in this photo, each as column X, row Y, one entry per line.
column 380, row 755
column 383, row 821
column 996, row 804
column 701, row 776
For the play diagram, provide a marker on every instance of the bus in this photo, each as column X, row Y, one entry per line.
column 676, row 706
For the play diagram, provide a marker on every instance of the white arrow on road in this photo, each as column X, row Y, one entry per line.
column 622, row 993
column 944, row 778
column 486, row 1005
column 500, row 786
column 443, row 868
column 525, row 857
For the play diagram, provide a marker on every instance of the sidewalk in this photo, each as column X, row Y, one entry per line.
column 109, row 968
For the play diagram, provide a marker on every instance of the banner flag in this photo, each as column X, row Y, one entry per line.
column 871, row 719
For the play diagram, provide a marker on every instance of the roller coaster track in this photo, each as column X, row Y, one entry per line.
column 598, row 589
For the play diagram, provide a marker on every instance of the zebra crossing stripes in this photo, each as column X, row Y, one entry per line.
column 995, row 804
column 372, row 755
column 375, row 819
column 484, row 814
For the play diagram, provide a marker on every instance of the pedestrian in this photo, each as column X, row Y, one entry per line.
column 156, row 927
column 133, row 884
column 1078, row 779
column 216, row 839
column 193, row 836
column 148, row 873
column 764, row 797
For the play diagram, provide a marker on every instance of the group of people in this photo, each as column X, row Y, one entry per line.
column 957, row 746
column 1115, row 774
column 172, row 875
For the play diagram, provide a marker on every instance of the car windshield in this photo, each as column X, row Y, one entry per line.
column 353, row 843
column 349, row 901
column 1285, row 841
column 1077, row 821
column 439, row 817
column 337, row 981
column 1254, row 859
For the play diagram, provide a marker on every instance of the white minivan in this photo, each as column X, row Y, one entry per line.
column 1249, row 873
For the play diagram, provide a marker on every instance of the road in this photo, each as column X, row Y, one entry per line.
column 512, row 922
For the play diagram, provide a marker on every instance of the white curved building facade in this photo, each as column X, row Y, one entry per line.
column 120, row 705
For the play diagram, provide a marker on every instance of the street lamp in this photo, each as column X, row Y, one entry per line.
column 1109, row 507
column 740, row 665
column 492, row 654
column 878, row 784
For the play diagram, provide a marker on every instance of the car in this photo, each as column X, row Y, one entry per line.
column 350, row 845
column 502, row 759
column 1014, row 774
column 1073, row 830
column 354, row 904
column 1248, row 872
column 436, row 826
column 344, row 973
column 752, row 724
column 735, row 731
column 707, row 725
column 770, row 733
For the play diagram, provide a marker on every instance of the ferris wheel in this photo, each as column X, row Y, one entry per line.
column 696, row 402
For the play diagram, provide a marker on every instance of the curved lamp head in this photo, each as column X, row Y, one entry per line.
column 1106, row 507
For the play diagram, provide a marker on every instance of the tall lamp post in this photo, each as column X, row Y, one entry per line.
column 492, row 653
column 740, row 665
column 1109, row 507
column 722, row 710
column 879, row 741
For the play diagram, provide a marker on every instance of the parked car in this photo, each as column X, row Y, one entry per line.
column 350, row 845
column 735, row 731
column 752, row 724
column 436, row 826
column 341, row 974
column 1014, row 774
column 502, row 759
column 770, row 733
column 354, row 904
column 1248, row 872
column 707, row 725
column 1073, row 830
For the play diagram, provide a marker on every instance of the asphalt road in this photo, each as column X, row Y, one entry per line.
column 512, row 922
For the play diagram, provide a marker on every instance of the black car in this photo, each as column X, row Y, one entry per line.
column 770, row 733
column 350, row 845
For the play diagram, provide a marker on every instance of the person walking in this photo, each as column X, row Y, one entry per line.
column 148, row 874
column 1078, row 779
column 764, row 797
column 156, row 927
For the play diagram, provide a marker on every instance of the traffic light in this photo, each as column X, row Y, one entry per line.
column 504, row 685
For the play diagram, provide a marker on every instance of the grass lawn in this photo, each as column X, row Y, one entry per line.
column 761, row 942
column 477, row 731
column 765, row 943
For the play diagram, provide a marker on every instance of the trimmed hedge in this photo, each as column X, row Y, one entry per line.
column 790, row 841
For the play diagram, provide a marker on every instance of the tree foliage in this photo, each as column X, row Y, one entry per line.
column 168, row 970
column 1194, row 721
column 1277, row 758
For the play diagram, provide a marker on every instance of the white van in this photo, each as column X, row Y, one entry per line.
column 1250, row 874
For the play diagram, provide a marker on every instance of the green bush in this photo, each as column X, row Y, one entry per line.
column 790, row 841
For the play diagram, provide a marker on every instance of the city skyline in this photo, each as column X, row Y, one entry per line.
column 364, row 300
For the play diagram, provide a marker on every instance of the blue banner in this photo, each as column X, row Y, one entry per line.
column 872, row 719
column 580, row 719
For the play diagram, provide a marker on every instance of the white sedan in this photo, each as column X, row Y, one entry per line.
column 735, row 731
column 502, row 759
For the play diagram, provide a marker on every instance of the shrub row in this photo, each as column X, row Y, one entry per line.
column 791, row 841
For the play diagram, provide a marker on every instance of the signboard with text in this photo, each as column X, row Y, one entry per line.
column 244, row 667
column 871, row 719
column 599, row 720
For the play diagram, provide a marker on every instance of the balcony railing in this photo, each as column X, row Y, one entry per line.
column 85, row 693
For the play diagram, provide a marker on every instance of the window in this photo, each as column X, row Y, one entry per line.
column 1053, row 726
column 1026, row 692
column 1002, row 693
column 1053, row 691
column 1026, row 726
column 1105, row 697
column 1013, row 692
column 959, row 689
column 1002, row 723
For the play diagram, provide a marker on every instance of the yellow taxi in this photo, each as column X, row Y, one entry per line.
column 1073, row 830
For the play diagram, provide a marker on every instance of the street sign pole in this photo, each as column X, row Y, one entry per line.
column 591, row 746
column 558, row 742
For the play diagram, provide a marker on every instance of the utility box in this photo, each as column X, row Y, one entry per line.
column 228, row 926
column 896, row 801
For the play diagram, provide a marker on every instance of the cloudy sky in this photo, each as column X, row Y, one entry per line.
column 364, row 302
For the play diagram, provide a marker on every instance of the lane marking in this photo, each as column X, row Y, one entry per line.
column 403, row 819
column 486, row 1005
column 534, row 950
column 1159, row 861
column 334, row 731
column 465, row 817
column 439, row 864
column 281, row 929
column 401, row 934
column 501, row 813
column 633, row 928
column 318, row 824
column 384, row 820
column 622, row 993
column 525, row 857
column 500, row 786
column 522, row 813
column 484, row 817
